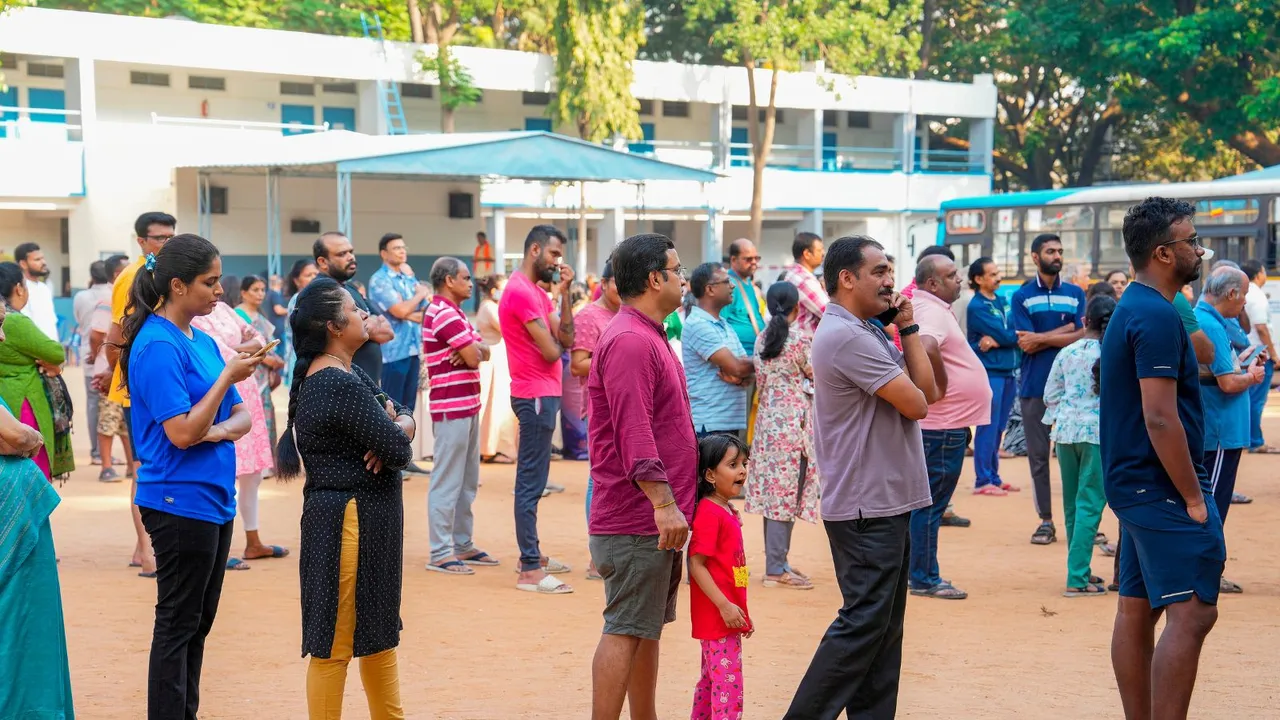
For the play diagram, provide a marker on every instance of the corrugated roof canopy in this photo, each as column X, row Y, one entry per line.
column 512, row 155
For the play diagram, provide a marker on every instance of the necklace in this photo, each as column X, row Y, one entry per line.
column 341, row 362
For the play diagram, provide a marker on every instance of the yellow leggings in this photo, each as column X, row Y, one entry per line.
column 326, row 678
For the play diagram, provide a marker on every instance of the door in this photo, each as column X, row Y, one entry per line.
column 1236, row 248
column 739, row 150
column 646, row 147
column 297, row 115
column 8, row 98
column 339, row 118
column 538, row 124
column 43, row 99
column 829, row 161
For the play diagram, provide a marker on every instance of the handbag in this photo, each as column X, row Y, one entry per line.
column 55, row 390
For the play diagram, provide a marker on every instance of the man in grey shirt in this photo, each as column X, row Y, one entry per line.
column 869, row 399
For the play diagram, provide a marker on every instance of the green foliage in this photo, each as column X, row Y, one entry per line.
column 597, row 42
column 457, row 87
column 315, row 16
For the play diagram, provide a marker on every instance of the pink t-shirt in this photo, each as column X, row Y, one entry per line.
column 968, row 399
column 531, row 376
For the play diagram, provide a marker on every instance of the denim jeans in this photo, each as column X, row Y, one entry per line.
column 944, row 458
column 91, row 411
column 537, row 419
column 1257, row 401
column 986, row 441
column 400, row 380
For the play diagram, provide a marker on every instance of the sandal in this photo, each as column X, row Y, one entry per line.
column 480, row 558
column 1240, row 499
column 548, row 585
column 1090, row 590
column 551, row 566
column 1226, row 586
column 787, row 580
column 1045, row 534
column 1264, row 450
column 235, row 564
column 992, row 490
column 941, row 591
column 277, row 551
column 498, row 459
column 1010, row 488
column 452, row 567
column 1107, row 549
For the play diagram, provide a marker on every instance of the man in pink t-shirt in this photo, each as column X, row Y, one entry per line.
column 534, row 352
column 965, row 403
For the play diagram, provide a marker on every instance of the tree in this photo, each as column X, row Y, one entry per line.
column 670, row 34
column 457, row 88
column 596, row 44
column 315, row 16
column 442, row 20
column 853, row 38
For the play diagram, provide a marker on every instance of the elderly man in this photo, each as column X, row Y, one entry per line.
column 744, row 311
column 1224, row 388
column 965, row 403
column 715, row 363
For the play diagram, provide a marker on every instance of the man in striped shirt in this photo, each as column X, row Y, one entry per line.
column 453, row 351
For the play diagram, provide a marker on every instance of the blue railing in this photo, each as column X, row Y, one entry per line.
column 944, row 161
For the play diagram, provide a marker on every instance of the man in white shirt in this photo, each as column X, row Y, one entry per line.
column 36, row 271
column 1258, row 307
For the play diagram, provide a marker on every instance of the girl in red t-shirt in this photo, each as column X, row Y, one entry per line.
column 718, row 566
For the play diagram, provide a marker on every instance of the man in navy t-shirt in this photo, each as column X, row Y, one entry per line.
column 1152, row 426
column 1048, row 315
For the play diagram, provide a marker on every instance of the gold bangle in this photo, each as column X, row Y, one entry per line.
column 663, row 505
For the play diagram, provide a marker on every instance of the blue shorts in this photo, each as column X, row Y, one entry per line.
column 1166, row 557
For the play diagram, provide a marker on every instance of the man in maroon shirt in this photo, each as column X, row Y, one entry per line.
column 644, row 460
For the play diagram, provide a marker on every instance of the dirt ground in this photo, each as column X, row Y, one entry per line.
column 474, row 648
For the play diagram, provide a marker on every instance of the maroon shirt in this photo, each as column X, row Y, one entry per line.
column 640, row 426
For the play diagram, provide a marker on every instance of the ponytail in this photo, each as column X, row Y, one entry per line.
column 1097, row 316
column 782, row 299
column 319, row 304
column 184, row 257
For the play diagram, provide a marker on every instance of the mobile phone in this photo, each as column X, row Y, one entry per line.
column 1251, row 357
column 266, row 349
column 887, row 316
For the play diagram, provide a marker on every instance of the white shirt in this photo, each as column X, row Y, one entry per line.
column 1258, row 308
column 40, row 308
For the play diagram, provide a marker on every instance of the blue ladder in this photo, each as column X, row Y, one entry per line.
column 388, row 89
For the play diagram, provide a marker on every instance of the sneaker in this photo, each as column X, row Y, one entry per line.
column 553, row 488
column 109, row 475
column 953, row 520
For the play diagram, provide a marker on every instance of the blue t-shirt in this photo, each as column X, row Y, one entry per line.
column 168, row 374
column 1145, row 339
column 1226, row 415
column 1039, row 309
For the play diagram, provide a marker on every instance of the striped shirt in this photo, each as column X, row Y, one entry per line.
column 813, row 297
column 455, row 391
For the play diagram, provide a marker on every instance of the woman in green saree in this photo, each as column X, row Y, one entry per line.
column 24, row 356
column 35, row 679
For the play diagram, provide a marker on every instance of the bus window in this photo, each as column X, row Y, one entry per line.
column 1006, row 245
column 1226, row 211
column 1072, row 223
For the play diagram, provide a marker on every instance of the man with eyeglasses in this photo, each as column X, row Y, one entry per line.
column 744, row 312
column 153, row 229
column 716, row 366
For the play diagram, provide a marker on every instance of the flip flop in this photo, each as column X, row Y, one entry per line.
column 552, row 567
column 277, row 551
column 1090, row 590
column 942, row 591
column 135, row 564
column 146, row 574
column 238, row 564
column 481, row 558
column 453, row 567
column 548, row 585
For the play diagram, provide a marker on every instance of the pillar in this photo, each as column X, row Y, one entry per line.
column 722, row 128
column 904, row 140
column 344, row 203
column 981, row 144
column 497, row 232
column 810, row 135
column 82, row 234
column 275, row 248
column 811, row 222
column 613, row 229
column 713, row 237
column 369, row 115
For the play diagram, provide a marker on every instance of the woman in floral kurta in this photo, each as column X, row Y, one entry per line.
column 782, row 479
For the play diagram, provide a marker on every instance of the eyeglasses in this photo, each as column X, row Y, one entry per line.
column 160, row 238
column 1194, row 242
column 678, row 270
column 725, row 281
column 749, row 258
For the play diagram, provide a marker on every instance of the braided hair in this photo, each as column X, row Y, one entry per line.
column 1096, row 316
column 319, row 304
column 782, row 299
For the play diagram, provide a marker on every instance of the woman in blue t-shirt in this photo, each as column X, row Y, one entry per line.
column 186, row 419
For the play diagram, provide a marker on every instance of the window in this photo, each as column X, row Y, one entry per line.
column 830, row 119
column 346, row 88
column 739, row 113
column 670, row 108
column 201, row 82
column 297, row 88
column 1226, row 211
column 535, row 98
column 859, row 119
column 966, row 222
column 417, row 90
column 154, row 79
column 646, row 108
column 779, row 116
column 48, row 70
column 8, row 62
column 1006, row 246
column 217, row 200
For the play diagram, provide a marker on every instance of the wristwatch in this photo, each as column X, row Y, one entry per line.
column 911, row 329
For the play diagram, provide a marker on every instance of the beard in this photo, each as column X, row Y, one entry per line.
column 1050, row 268
column 1190, row 271
column 546, row 271
column 39, row 274
column 344, row 274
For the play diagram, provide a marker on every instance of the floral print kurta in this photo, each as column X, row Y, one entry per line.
column 1071, row 405
column 228, row 329
column 784, row 434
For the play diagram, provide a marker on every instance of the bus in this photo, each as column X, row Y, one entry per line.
column 1238, row 218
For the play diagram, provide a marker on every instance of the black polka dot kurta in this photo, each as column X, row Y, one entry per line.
column 339, row 419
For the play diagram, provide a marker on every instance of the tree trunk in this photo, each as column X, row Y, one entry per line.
column 446, row 87
column 415, row 22
column 499, row 25
column 1257, row 147
column 926, row 36
column 761, row 145
column 432, row 25
column 1095, row 144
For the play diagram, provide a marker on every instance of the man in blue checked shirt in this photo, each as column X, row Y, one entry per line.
column 716, row 366
column 397, row 295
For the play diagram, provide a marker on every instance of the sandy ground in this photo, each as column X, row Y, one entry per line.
column 475, row 648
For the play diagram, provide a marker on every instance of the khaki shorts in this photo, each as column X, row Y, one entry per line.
column 111, row 419
column 641, row 583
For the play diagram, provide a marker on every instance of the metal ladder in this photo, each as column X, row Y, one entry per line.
column 388, row 89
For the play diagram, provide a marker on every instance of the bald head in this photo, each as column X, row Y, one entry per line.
column 743, row 258
column 937, row 274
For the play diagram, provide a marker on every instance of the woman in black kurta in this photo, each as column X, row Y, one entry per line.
column 353, row 444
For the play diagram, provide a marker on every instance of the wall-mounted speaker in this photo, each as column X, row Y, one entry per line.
column 302, row 226
column 461, row 205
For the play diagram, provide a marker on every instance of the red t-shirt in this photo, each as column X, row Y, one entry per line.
column 717, row 534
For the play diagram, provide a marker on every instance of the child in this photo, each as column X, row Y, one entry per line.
column 718, row 566
column 1071, row 407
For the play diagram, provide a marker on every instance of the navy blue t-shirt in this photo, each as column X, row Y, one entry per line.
column 168, row 374
column 1039, row 309
column 1145, row 339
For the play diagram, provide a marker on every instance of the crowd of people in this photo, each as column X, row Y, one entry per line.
column 825, row 395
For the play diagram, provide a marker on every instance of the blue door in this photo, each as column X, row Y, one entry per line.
column 739, row 154
column 8, row 98
column 829, row 161
column 646, row 131
column 42, row 99
column 538, row 124
column 297, row 115
column 340, row 118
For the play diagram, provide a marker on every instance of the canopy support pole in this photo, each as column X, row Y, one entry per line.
column 498, row 238
column 204, row 214
column 344, row 203
column 274, row 242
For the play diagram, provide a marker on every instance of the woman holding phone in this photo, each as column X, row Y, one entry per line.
column 187, row 416
column 254, row 452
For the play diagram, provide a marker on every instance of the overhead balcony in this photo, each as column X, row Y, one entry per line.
column 41, row 153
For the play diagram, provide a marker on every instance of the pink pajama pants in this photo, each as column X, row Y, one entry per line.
column 718, row 695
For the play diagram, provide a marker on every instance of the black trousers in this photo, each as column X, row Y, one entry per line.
column 858, row 662
column 191, row 560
